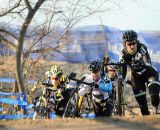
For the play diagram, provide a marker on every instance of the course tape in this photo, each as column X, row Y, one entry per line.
column 21, row 100
column 14, row 116
column 13, row 101
column 11, row 94
column 1, row 109
column 30, row 106
column 21, row 116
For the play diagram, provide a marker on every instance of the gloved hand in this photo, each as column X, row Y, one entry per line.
column 71, row 75
column 96, row 85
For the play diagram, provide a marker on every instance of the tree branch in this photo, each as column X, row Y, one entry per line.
column 28, row 5
column 12, row 8
column 7, row 32
column 7, row 43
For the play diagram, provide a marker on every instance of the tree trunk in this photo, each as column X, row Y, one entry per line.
column 19, row 52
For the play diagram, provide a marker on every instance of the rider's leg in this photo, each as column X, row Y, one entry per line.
column 108, row 107
column 139, row 90
column 153, row 87
column 142, row 101
column 97, row 108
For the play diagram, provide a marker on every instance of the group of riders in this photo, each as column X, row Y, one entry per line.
column 143, row 76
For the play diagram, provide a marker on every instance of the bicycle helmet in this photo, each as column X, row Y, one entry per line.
column 56, row 70
column 95, row 66
column 130, row 36
column 112, row 67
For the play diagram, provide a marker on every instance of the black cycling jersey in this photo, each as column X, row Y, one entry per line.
column 143, row 75
column 138, row 61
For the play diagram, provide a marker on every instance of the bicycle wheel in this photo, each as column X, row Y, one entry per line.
column 87, row 105
column 40, row 110
column 119, row 98
column 72, row 106
column 123, row 102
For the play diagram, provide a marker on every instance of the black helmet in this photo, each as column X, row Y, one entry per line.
column 95, row 66
column 130, row 36
column 112, row 67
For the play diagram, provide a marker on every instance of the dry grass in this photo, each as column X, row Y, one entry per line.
column 8, row 67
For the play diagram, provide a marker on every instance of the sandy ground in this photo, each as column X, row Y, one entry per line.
column 112, row 123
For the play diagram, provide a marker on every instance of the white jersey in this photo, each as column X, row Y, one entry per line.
column 85, row 88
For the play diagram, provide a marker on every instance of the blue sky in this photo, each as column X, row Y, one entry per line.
column 129, row 14
column 132, row 14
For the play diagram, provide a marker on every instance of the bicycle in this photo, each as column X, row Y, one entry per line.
column 77, row 105
column 47, row 102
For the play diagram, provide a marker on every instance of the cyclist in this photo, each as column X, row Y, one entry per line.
column 111, row 77
column 58, row 80
column 100, row 98
column 136, row 56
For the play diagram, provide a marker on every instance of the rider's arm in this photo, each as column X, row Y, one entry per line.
column 146, row 56
column 123, row 68
column 63, row 80
column 105, row 85
column 36, row 84
column 124, row 71
column 85, row 88
column 34, row 88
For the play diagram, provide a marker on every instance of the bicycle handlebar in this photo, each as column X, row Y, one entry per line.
column 47, row 84
column 117, row 63
column 80, row 81
column 121, row 63
column 43, row 83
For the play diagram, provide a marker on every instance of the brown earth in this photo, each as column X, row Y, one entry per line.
column 113, row 123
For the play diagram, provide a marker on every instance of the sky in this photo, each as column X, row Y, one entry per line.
column 132, row 14
column 138, row 15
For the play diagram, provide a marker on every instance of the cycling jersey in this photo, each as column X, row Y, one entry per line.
column 138, row 62
column 62, row 81
column 85, row 89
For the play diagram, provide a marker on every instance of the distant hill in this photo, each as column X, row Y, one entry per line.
column 87, row 43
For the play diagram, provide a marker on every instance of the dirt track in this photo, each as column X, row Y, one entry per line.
column 113, row 123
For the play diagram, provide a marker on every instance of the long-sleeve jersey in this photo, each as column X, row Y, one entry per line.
column 137, row 62
column 85, row 89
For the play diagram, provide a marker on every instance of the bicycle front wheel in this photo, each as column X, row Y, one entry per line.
column 119, row 98
column 72, row 106
column 40, row 111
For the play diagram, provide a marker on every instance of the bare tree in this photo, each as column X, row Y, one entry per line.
column 37, row 20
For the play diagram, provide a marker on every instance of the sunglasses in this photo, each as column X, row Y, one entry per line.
column 112, row 70
column 131, row 44
column 55, row 78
